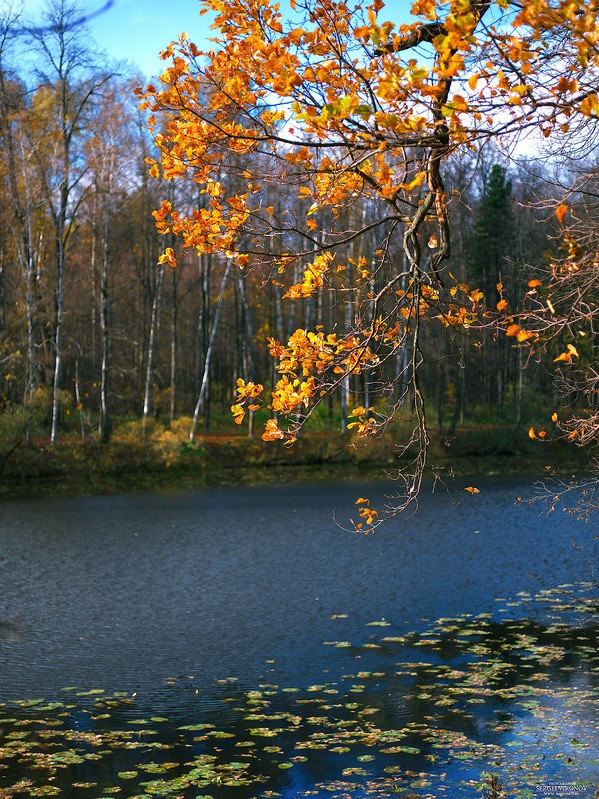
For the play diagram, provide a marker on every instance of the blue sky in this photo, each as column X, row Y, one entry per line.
column 136, row 30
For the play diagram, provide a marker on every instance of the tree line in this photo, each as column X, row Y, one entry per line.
column 110, row 310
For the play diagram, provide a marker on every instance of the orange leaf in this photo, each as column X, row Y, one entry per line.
column 534, row 283
column 272, row 431
column 561, row 212
column 531, row 433
column 564, row 356
column 512, row 330
column 524, row 335
column 168, row 257
column 238, row 413
column 554, row 417
column 472, row 490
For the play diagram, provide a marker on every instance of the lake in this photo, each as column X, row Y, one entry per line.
column 225, row 613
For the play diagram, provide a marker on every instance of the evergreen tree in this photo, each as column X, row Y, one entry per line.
column 493, row 231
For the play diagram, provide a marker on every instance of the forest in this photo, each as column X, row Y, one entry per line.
column 369, row 275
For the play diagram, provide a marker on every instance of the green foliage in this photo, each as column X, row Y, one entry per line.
column 493, row 231
column 13, row 428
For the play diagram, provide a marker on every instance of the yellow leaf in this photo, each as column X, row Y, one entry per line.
column 413, row 184
column 554, row 417
column 524, row 335
column 531, row 433
column 272, row 431
column 238, row 413
column 564, row 356
column 168, row 257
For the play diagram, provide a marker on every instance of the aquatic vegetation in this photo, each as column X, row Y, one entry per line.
column 467, row 706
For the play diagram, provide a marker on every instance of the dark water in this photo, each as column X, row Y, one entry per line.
column 121, row 592
column 237, row 644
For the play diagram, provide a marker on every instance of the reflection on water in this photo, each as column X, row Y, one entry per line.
column 440, row 711
column 120, row 592
column 238, row 643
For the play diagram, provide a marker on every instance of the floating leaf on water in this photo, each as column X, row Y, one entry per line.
column 285, row 765
column 196, row 727
column 263, row 732
column 158, row 768
column 128, row 775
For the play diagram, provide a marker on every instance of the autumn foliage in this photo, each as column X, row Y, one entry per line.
column 359, row 110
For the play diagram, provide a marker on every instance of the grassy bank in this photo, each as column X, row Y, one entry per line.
column 161, row 456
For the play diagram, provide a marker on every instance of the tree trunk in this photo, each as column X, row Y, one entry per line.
column 152, row 343
column 173, row 382
column 105, row 328
column 204, row 384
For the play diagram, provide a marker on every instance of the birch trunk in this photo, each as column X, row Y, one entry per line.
column 105, row 329
column 204, row 384
column 152, row 343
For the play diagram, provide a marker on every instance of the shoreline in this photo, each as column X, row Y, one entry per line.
column 162, row 460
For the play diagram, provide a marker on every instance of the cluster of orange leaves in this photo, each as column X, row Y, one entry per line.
column 342, row 74
column 366, row 512
column 301, row 363
column 261, row 60
column 247, row 394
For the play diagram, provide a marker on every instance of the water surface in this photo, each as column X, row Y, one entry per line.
column 120, row 592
